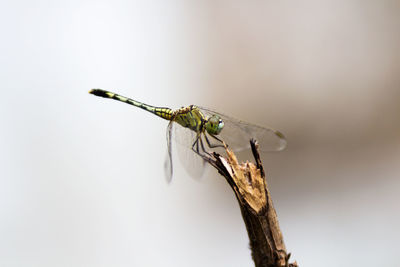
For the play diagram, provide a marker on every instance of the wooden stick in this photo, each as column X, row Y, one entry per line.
column 251, row 189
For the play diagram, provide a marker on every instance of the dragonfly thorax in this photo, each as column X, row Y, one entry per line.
column 214, row 125
column 191, row 117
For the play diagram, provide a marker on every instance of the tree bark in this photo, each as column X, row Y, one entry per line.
column 251, row 189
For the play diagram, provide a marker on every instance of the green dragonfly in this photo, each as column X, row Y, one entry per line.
column 200, row 130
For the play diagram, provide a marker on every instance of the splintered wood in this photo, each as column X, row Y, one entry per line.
column 248, row 180
column 251, row 189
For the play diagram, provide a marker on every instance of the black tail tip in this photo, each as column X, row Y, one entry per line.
column 98, row 92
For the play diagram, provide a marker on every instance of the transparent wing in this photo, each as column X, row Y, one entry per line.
column 184, row 139
column 168, row 169
column 237, row 134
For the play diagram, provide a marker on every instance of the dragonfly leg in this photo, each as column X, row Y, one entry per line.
column 213, row 145
column 196, row 147
column 202, row 146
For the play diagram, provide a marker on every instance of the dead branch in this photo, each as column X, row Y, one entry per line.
column 251, row 189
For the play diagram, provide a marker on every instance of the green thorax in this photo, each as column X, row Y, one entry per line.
column 190, row 117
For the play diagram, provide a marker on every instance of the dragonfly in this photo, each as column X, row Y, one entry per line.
column 200, row 130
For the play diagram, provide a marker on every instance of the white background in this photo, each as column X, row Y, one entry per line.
column 81, row 178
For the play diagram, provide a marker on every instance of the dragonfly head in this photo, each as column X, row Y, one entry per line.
column 214, row 125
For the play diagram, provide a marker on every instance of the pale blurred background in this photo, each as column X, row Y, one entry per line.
column 82, row 180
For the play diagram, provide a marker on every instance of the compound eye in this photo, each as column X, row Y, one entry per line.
column 220, row 126
column 214, row 119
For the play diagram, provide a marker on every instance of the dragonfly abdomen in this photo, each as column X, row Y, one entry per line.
column 165, row 113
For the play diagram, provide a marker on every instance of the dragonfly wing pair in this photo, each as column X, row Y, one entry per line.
column 237, row 134
column 179, row 142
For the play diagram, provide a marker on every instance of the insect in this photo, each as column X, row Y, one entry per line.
column 200, row 129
